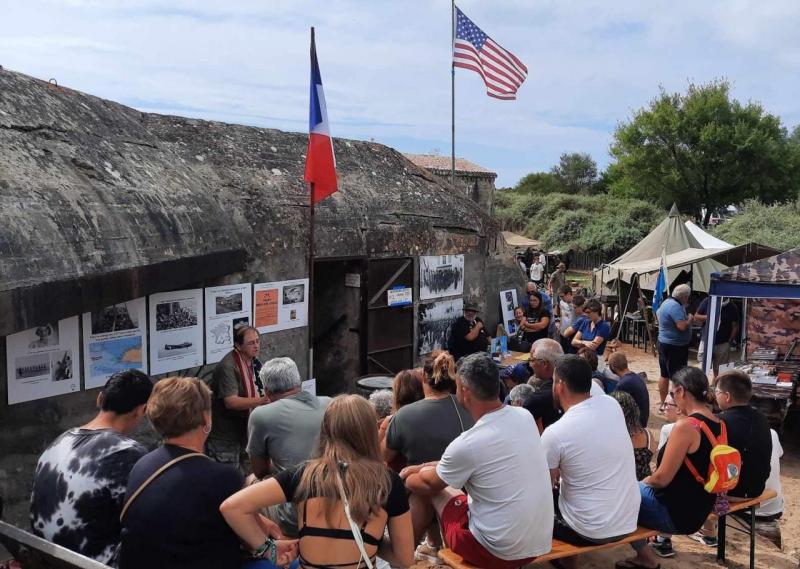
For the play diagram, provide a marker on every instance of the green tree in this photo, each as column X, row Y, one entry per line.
column 577, row 172
column 703, row 149
column 542, row 183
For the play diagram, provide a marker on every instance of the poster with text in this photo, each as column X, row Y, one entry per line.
column 114, row 339
column 280, row 305
column 508, row 301
column 227, row 308
column 176, row 330
column 43, row 361
column 441, row 275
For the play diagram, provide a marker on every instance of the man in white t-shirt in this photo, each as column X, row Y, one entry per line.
column 537, row 272
column 503, row 524
column 599, row 496
column 773, row 509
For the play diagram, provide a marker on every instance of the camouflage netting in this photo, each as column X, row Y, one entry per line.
column 783, row 269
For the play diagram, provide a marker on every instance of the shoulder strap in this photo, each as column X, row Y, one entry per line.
column 153, row 476
column 702, row 426
column 455, row 406
column 356, row 531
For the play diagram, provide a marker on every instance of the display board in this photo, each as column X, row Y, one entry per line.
column 43, row 361
column 434, row 323
column 176, row 330
column 441, row 275
column 114, row 339
column 227, row 308
column 508, row 301
column 280, row 305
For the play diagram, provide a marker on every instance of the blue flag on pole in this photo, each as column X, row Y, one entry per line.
column 661, row 283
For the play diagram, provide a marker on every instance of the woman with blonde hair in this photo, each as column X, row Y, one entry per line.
column 345, row 497
column 171, row 518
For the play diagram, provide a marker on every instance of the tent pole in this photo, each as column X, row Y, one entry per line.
column 647, row 321
column 713, row 317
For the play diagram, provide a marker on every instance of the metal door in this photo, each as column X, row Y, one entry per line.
column 388, row 345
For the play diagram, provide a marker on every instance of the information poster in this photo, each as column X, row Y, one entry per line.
column 43, row 361
column 441, row 275
column 114, row 339
column 508, row 301
column 227, row 308
column 399, row 296
column 280, row 305
column 176, row 330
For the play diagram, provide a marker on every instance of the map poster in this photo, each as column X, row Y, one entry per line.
column 227, row 308
column 43, row 361
column 114, row 339
column 176, row 330
column 281, row 305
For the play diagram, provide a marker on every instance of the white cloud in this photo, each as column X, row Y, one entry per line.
column 386, row 66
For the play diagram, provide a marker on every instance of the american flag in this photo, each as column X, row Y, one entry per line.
column 501, row 70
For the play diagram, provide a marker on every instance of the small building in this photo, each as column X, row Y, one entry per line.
column 476, row 182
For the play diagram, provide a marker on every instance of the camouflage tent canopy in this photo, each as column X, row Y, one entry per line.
column 774, row 277
column 774, row 283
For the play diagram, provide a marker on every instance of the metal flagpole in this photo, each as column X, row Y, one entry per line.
column 311, row 262
column 311, row 280
column 452, row 94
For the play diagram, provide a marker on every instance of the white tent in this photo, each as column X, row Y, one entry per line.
column 707, row 240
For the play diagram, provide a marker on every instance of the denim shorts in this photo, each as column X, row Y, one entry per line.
column 652, row 513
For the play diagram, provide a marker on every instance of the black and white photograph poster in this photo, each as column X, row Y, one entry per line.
column 176, row 330
column 227, row 307
column 441, row 275
column 43, row 361
column 434, row 323
column 508, row 301
column 114, row 339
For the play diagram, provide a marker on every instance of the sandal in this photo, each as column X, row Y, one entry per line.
column 631, row 564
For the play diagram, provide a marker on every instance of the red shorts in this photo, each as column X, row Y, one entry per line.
column 455, row 526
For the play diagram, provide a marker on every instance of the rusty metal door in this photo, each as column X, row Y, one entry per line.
column 388, row 345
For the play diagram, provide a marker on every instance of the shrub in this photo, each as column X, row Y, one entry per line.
column 601, row 223
column 776, row 225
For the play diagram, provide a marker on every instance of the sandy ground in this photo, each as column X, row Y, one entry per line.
column 691, row 553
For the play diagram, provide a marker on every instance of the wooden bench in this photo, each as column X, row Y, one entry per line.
column 748, row 506
column 562, row 549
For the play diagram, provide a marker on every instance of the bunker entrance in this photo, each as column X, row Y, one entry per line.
column 356, row 330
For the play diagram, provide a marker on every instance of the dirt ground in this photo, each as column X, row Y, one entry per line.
column 691, row 553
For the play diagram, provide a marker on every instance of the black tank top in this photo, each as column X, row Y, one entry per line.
column 687, row 502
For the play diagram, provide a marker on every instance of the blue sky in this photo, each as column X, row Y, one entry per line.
column 386, row 65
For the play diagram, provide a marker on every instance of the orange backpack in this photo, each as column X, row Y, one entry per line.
column 725, row 462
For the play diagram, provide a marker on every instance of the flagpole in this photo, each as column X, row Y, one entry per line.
column 452, row 94
column 311, row 262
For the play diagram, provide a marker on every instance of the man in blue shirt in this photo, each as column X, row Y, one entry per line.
column 546, row 298
column 674, row 336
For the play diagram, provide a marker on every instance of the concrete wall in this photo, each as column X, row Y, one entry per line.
column 477, row 186
column 100, row 204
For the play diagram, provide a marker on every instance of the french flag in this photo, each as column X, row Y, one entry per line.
column 320, row 161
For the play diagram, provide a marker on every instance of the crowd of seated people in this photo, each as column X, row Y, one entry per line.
column 344, row 482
